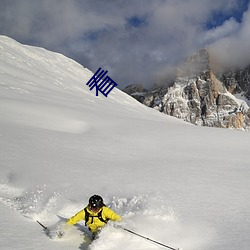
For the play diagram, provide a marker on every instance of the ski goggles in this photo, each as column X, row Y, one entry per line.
column 94, row 208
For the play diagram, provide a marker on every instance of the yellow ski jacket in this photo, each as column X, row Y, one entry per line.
column 94, row 223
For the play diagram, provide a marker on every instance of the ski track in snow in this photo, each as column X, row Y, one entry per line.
column 43, row 117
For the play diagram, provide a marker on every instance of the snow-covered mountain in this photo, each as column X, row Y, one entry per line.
column 202, row 96
column 182, row 185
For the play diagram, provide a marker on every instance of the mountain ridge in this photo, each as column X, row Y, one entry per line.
column 201, row 95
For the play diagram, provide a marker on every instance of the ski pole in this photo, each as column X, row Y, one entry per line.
column 45, row 228
column 146, row 238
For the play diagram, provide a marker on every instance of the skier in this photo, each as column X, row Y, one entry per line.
column 95, row 214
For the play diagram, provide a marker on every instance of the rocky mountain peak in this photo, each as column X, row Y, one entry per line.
column 196, row 64
column 200, row 96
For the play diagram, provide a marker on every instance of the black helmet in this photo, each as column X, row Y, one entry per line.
column 96, row 202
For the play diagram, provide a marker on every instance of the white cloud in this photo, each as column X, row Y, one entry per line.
column 228, row 28
column 97, row 33
column 233, row 50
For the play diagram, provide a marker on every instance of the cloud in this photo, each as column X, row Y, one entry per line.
column 228, row 28
column 233, row 49
column 137, row 41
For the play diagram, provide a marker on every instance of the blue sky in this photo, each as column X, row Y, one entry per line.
column 218, row 17
column 137, row 41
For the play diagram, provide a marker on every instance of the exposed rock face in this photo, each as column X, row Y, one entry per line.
column 134, row 88
column 137, row 91
column 237, row 81
column 199, row 97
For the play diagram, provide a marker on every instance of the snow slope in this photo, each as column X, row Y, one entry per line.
column 173, row 182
